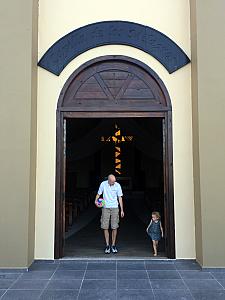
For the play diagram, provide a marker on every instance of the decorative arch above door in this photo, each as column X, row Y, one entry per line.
column 114, row 83
column 139, row 36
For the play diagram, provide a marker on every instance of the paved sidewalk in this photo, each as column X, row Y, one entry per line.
column 114, row 279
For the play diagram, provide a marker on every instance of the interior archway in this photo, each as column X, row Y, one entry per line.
column 108, row 91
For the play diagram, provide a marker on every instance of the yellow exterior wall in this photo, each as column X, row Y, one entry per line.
column 18, row 99
column 57, row 18
column 208, row 44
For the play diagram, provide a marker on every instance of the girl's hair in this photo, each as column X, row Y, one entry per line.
column 157, row 214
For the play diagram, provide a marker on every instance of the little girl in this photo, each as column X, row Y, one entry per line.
column 155, row 230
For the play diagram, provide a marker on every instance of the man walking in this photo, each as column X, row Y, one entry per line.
column 112, row 192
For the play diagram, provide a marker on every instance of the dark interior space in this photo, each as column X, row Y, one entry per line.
column 132, row 150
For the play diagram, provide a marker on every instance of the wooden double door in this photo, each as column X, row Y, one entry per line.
column 114, row 87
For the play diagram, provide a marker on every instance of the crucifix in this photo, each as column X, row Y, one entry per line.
column 117, row 139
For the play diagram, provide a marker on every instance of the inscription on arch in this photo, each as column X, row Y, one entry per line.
column 145, row 38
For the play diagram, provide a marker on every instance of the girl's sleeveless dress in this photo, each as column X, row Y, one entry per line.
column 154, row 231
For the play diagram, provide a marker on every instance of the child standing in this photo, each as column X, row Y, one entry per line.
column 155, row 230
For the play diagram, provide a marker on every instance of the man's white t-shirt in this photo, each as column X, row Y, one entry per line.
column 110, row 193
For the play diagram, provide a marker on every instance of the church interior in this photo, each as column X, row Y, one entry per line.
column 132, row 150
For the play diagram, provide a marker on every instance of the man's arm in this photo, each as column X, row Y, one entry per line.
column 100, row 191
column 121, row 206
column 96, row 199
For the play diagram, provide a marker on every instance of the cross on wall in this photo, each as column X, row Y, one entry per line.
column 117, row 139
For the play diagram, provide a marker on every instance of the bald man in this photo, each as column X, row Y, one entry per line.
column 112, row 195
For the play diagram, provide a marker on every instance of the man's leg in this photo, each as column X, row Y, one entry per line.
column 114, row 234
column 114, row 226
column 105, row 226
column 106, row 234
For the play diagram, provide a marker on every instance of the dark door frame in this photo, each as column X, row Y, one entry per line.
column 64, row 113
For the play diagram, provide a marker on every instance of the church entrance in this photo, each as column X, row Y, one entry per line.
column 113, row 117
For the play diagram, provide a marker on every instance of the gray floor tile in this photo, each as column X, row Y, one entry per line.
column 168, row 284
column 208, row 295
column 195, row 275
column 12, row 276
column 132, row 274
column 99, row 284
column 75, row 265
column 222, row 282
column 219, row 275
column 189, row 265
column 68, row 274
column 135, row 295
column 59, row 295
column 45, row 261
column 22, row 294
column 213, row 270
column 203, row 284
column 129, row 265
column 2, row 292
column 172, row 295
column 6, row 283
column 68, row 284
column 101, row 266
column 133, row 284
column 24, row 284
column 13, row 271
column 153, row 266
column 43, row 267
column 37, row 275
column 163, row 274
column 100, row 274
column 101, row 294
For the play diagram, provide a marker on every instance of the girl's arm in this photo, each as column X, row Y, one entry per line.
column 161, row 228
column 149, row 225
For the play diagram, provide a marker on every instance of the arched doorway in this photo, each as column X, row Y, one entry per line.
column 121, row 88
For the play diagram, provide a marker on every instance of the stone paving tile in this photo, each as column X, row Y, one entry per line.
column 202, row 284
column 135, row 295
column 172, row 295
column 156, row 266
column 222, row 282
column 68, row 274
column 101, row 294
column 43, row 267
column 218, row 275
column 168, row 284
column 37, row 275
column 208, row 295
column 64, row 284
column 59, row 295
column 98, row 284
column 6, row 283
column 12, row 276
column 132, row 274
column 127, row 265
column 73, row 266
column 195, row 275
column 29, row 284
column 22, row 295
column 187, row 265
column 2, row 292
column 163, row 274
column 139, row 284
column 100, row 274
column 101, row 266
